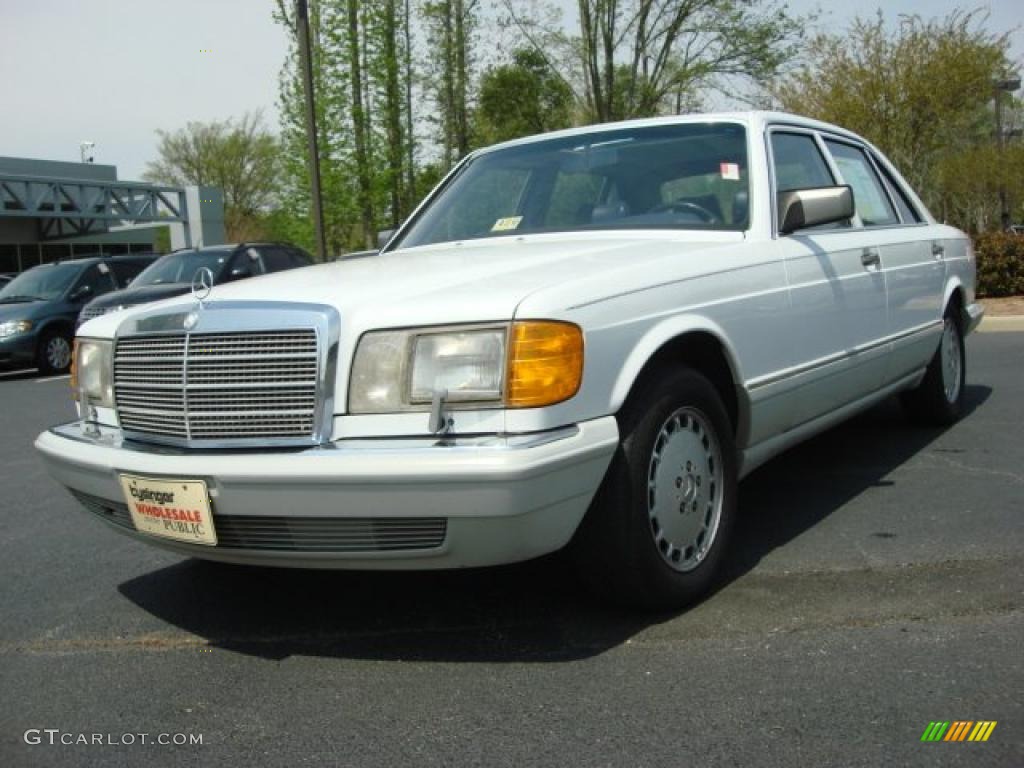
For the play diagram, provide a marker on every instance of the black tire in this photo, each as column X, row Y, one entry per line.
column 47, row 360
column 615, row 550
column 932, row 402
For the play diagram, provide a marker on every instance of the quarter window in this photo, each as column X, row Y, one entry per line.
column 907, row 211
column 869, row 194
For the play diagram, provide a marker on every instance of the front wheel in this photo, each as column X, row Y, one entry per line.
column 54, row 353
column 658, row 527
column 939, row 398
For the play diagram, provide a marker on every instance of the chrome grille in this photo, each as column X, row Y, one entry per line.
column 314, row 534
column 218, row 386
column 88, row 313
column 301, row 534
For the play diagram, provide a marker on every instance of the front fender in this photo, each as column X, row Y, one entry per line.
column 665, row 332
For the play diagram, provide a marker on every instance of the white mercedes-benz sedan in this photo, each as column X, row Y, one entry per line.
column 584, row 338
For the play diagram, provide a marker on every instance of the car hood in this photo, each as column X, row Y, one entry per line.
column 27, row 310
column 465, row 282
column 142, row 294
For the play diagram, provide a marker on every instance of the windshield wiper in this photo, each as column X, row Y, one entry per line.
column 20, row 297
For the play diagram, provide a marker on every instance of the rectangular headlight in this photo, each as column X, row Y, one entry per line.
column 93, row 372
column 467, row 366
column 400, row 370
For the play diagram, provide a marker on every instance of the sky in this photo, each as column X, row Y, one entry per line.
column 115, row 71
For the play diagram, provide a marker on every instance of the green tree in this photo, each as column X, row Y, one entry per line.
column 359, row 121
column 638, row 58
column 362, row 64
column 388, row 69
column 294, row 221
column 451, row 27
column 522, row 98
column 921, row 90
column 238, row 156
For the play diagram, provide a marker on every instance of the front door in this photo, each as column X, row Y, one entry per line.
column 837, row 290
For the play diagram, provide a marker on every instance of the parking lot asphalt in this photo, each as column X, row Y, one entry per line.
column 876, row 585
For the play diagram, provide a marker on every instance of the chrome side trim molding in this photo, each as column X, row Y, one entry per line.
column 772, row 378
column 757, row 455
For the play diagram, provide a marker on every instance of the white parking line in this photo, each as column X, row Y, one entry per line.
column 54, row 378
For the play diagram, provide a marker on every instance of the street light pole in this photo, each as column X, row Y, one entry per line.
column 1007, row 85
column 306, row 61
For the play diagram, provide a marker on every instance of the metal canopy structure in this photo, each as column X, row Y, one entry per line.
column 68, row 207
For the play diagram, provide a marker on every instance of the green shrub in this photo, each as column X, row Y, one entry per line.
column 1000, row 264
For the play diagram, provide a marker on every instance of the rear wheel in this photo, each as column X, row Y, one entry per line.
column 54, row 353
column 939, row 398
column 658, row 527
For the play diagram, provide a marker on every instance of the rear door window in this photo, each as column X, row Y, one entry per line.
column 869, row 194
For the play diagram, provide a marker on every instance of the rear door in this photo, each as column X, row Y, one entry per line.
column 915, row 271
column 877, row 223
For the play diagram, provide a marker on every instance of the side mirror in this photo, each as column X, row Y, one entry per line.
column 81, row 293
column 802, row 208
column 383, row 236
column 239, row 272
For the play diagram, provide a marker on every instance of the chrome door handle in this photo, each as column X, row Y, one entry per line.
column 938, row 250
column 869, row 257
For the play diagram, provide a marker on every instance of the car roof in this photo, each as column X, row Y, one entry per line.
column 753, row 119
column 236, row 246
column 88, row 261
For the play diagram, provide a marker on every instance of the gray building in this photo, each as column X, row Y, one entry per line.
column 52, row 211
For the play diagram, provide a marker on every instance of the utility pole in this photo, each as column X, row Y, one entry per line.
column 306, row 61
column 1007, row 85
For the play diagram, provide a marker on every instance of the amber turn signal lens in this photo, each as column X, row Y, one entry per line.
column 545, row 363
column 74, row 372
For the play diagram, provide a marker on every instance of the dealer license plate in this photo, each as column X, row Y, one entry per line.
column 173, row 509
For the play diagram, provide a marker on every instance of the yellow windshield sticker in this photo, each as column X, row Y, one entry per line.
column 509, row 222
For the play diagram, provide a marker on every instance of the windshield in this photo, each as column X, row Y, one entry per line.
column 45, row 282
column 691, row 176
column 181, row 267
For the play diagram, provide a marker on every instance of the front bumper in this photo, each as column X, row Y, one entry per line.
column 974, row 313
column 492, row 499
column 18, row 350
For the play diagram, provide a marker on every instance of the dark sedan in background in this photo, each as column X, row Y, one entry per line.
column 39, row 307
column 172, row 274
